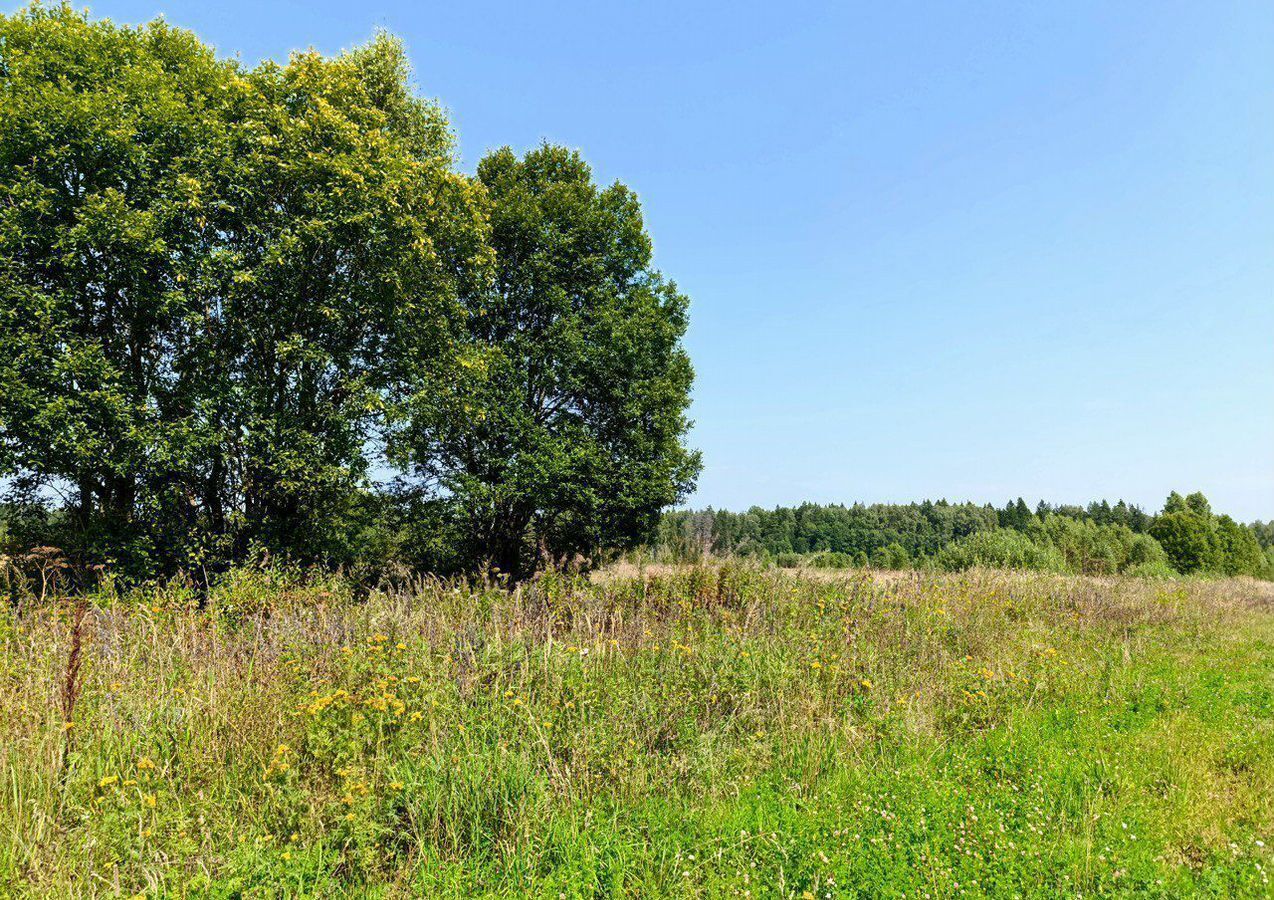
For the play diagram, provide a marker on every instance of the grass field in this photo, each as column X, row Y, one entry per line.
column 695, row 732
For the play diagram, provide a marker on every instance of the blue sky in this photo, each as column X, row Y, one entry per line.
column 972, row 250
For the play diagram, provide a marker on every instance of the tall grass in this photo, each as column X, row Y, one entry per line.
column 707, row 731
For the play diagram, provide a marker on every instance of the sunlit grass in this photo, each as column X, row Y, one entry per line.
column 694, row 732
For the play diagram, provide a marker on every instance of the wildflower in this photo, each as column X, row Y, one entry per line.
column 287, row 854
column 145, row 764
column 67, row 726
column 401, row 646
column 396, row 785
column 149, row 800
column 107, row 780
column 866, row 682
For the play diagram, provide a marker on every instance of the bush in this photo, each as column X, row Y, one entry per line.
column 832, row 560
column 1156, row 569
column 1002, row 549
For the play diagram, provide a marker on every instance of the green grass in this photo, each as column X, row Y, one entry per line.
column 706, row 732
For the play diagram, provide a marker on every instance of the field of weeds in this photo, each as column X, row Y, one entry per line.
column 693, row 732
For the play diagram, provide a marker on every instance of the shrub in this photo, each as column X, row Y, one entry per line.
column 1002, row 549
column 1155, row 569
column 832, row 560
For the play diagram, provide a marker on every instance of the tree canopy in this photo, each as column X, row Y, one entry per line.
column 561, row 432
column 233, row 300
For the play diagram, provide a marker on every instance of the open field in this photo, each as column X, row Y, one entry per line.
column 706, row 732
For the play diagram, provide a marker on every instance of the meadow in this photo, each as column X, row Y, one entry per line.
column 709, row 731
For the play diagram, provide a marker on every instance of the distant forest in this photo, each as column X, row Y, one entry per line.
column 1185, row 537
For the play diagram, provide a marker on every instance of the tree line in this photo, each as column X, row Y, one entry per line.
column 1185, row 537
column 260, row 311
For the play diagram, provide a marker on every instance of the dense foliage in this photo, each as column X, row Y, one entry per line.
column 1097, row 539
column 235, row 302
column 568, row 425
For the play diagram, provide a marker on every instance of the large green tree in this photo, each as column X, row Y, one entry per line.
column 216, row 285
column 561, row 431
column 347, row 242
column 104, row 137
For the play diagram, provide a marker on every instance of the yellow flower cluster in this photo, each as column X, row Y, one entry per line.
column 319, row 702
column 279, row 762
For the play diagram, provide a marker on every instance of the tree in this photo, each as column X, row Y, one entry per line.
column 1188, row 533
column 348, row 241
column 217, row 286
column 104, row 137
column 561, row 430
column 1238, row 550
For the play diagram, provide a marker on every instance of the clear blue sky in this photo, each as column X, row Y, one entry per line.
column 974, row 250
